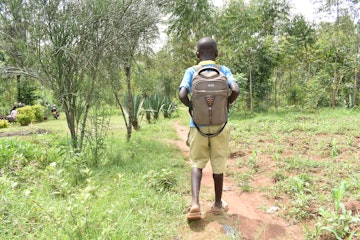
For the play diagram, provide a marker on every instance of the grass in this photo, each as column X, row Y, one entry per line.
column 49, row 193
column 305, row 156
column 139, row 189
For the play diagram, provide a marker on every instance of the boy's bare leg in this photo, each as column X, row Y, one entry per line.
column 196, row 175
column 218, row 184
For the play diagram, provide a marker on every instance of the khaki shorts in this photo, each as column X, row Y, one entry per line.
column 203, row 149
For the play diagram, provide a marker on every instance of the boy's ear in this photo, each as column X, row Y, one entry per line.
column 197, row 54
column 216, row 53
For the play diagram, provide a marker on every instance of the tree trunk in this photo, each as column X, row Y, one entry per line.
column 130, row 101
column 275, row 89
column 356, row 87
column 250, row 88
column 19, row 90
column 121, row 107
column 70, row 119
column 335, row 83
column 88, row 101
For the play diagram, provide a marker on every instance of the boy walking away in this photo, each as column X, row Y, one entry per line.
column 209, row 137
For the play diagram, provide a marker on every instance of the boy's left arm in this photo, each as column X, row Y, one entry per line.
column 233, row 85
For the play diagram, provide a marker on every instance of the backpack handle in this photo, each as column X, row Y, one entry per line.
column 214, row 69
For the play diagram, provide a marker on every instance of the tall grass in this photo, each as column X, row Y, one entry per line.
column 137, row 189
column 48, row 193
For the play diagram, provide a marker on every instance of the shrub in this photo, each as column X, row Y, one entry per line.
column 4, row 111
column 25, row 115
column 161, row 181
column 4, row 123
column 39, row 112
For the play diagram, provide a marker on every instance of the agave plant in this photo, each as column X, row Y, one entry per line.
column 137, row 104
column 156, row 104
column 169, row 107
column 148, row 109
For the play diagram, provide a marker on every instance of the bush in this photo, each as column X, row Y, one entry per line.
column 25, row 115
column 39, row 112
column 4, row 111
column 161, row 181
column 4, row 123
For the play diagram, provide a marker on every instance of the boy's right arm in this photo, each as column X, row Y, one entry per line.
column 185, row 85
column 183, row 96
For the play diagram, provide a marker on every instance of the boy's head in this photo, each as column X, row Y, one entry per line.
column 207, row 49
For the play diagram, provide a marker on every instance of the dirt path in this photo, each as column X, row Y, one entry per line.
column 248, row 216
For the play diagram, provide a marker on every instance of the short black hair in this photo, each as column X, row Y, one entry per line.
column 207, row 49
column 206, row 46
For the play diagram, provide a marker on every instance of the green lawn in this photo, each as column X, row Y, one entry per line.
column 139, row 189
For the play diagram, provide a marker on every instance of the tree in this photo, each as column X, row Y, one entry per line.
column 294, row 75
column 14, row 41
column 189, row 21
column 341, row 33
column 71, row 45
column 247, row 34
column 138, row 29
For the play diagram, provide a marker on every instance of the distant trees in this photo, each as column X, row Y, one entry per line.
column 15, row 45
column 250, row 34
column 92, row 52
column 76, row 48
column 287, row 61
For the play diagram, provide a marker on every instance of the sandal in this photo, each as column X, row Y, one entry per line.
column 194, row 213
column 224, row 208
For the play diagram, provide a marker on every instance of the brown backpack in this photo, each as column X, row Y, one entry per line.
column 209, row 97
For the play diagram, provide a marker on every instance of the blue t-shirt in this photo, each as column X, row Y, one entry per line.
column 189, row 73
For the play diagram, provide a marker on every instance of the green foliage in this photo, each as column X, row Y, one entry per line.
column 154, row 105
column 169, row 107
column 4, row 111
column 334, row 149
column 139, row 185
column 137, row 103
column 302, row 33
column 15, row 155
column 45, row 185
column 299, row 151
column 25, row 115
column 187, row 26
column 248, row 48
column 4, row 123
column 29, row 114
column 148, row 109
column 28, row 91
column 252, row 162
column 341, row 223
column 2, row 56
column 162, row 181
column 40, row 112
column 98, row 129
